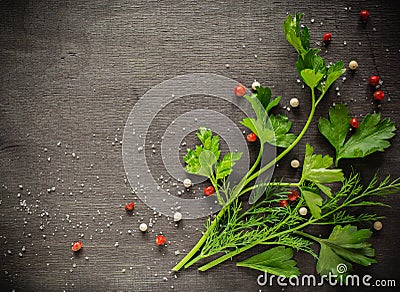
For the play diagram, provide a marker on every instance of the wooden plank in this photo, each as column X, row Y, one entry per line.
column 72, row 72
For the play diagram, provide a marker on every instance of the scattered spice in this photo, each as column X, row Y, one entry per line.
column 76, row 246
column 354, row 123
column 283, row 203
column 161, row 240
column 130, row 206
column 374, row 80
column 327, row 38
column 208, row 191
column 379, row 95
column 251, row 137
column 295, row 163
column 240, row 90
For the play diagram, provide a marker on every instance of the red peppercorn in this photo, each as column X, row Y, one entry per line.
column 283, row 203
column 129, row 207
column 161, row 240
column 364, row 14
column 293, row 195
column 208, row 191
column 239, row 90
column 354, row 123
column 76, row 246
column 251, row 137
column 374, row 80
column 327, row 37
column 379, row 95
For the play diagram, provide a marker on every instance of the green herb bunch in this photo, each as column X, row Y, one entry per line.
column 236, row 229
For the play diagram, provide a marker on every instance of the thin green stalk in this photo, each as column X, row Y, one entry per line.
column 287, row 150
column 194, row 260
column 201, row 241
column 215, row 185
column 227, row 256
column 269, row 184
column 308, row 236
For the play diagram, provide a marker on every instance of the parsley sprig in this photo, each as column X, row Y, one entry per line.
column 236, row 229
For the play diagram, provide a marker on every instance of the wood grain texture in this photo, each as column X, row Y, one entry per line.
column 71, row 72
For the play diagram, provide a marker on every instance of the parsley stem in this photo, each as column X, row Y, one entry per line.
column 307, row 235
column 269, row 184
column 287, row 150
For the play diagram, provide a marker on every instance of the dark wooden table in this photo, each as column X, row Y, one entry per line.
column 71, row 72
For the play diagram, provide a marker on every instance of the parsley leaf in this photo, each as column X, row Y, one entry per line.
column 371, row 136
column 311, row 77
column 313, row 201
column 263, row 95
column 277, row 261
column 334, row 72
column 224, row 167
column 273, row 130
column 345, row 245
column 299, row 39
column 315, row 170
column 281, row 126
column 204, row 159
column 336, row 128
column 317, row 75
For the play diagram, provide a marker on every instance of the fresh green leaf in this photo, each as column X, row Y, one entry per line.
column 325, row 189
column 314, row 202
column 278, row 261
column 299, row 39
column 371, row 136
column 207, row 161
column 281, row 126
column 334, row 72
column 250, row 123
column 336, row 128
column 345, row 245
column 311, row 77
column 315, row 168
column 274, row 131
column 264, row 95
column 224, row 167
column 305, row 37
column 259, row 110
column 329, row 261
column 311, row 60
column 209, row 141
column 273, row 103
column 204, row 159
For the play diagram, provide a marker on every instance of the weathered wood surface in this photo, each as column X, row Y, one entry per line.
column 71, row 72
